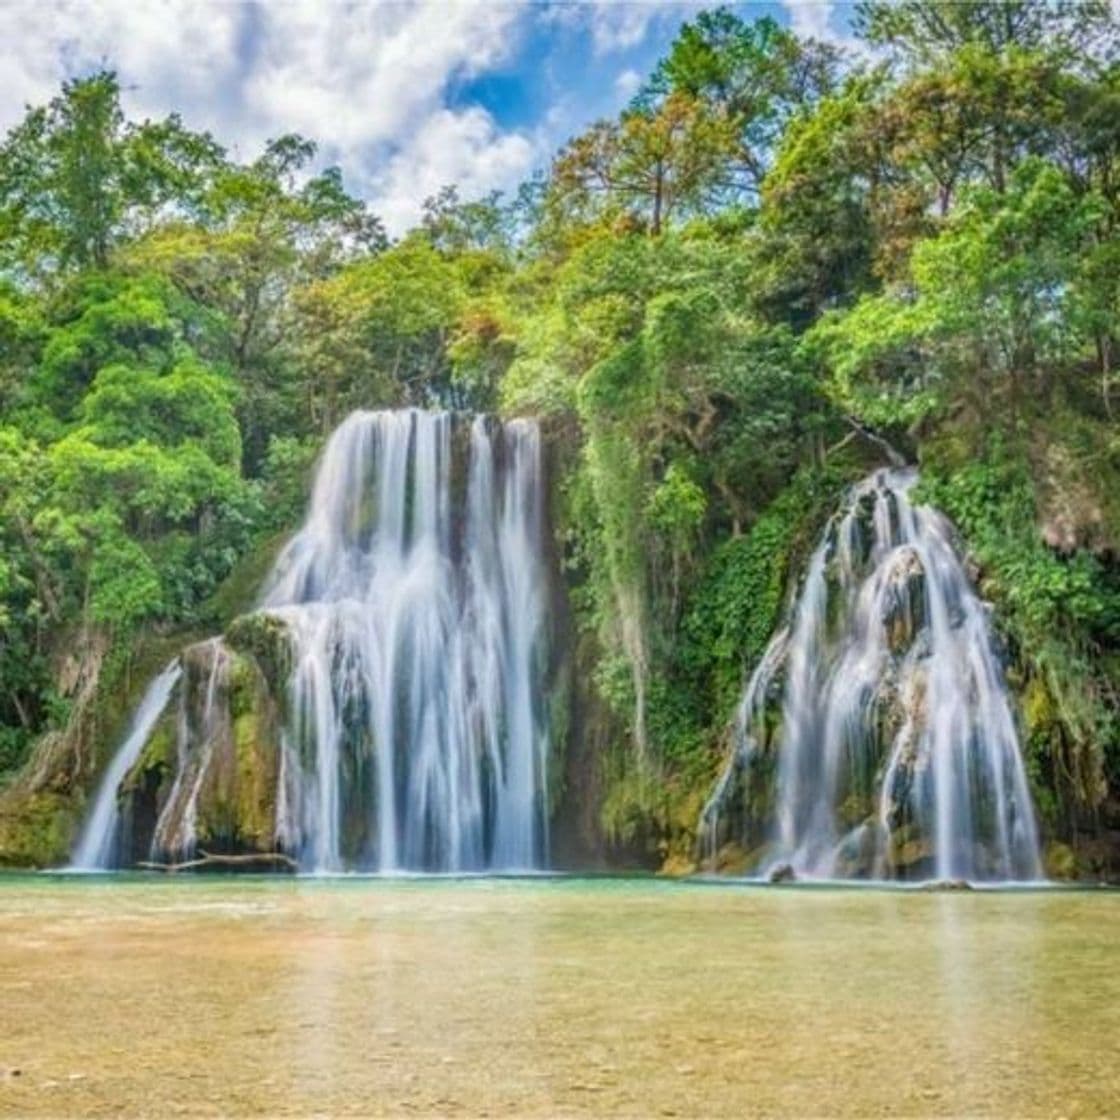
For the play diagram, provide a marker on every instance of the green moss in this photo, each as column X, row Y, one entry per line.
column 1039, row 713
column 256, row 754
column 239, row 591
column 1060, row 861
column 158, row 755
column 1058, row 610
column 237, row 801
column 731, row 860
column 559, row 727
column 36, row 830
column 129, row 668
column 266, row 638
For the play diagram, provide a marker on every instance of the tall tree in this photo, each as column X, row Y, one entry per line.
column 76, row 177
column 756, row 76
column 654, row 164
column 925, row 33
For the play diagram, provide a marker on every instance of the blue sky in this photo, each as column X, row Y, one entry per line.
column 404, row 96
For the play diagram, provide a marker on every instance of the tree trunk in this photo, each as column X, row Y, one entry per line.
column 209, row 859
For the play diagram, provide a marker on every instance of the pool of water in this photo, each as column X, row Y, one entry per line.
column 277, row 997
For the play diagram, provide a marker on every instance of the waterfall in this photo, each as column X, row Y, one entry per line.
column 894, row 752
column 197, row 734
column 416, row 611
column 96, row 846
column 410, row 733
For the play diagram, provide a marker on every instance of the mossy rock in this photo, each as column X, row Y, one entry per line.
column 731, row 860
column 1060, row 861
column 157, row 757
column 37, row 830
column 238, row 591
column 677, row 866
column 857, row 854
column 905, row 602
column 857, row 807
column 909, row 849
column 237, row 800
column 257, row 750
column 1039, row 712
column 267, row 639
column 559, row 715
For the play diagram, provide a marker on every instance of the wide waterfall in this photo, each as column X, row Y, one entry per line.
column 96, row 849
column 875, row 737
column 403, row 725
column 417, row 736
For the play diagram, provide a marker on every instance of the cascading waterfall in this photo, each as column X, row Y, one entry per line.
column 416, row 738
column 875, row 737
column 96, row 849
column 412, row 610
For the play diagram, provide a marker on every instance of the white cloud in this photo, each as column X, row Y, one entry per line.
column 627, row 84
column 811, row 19
column 617, row 25
column 464, row 148
column 163, row 51
column 819, row 19
column 367, row 81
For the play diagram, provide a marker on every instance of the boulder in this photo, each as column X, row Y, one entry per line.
column 903, row 600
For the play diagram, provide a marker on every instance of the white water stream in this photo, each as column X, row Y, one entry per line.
column 897, row 750
column 97, row 843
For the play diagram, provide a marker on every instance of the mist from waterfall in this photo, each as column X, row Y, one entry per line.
column 416, row 738
column 875, row 737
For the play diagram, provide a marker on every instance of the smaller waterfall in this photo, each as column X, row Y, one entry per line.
column 175, row 831
column 96, row 847
column 883, row 714
column 745, row 745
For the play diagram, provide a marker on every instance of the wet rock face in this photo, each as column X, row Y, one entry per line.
column 267, row 640
column 209, row 775
column 904, row 610
column 859, row 855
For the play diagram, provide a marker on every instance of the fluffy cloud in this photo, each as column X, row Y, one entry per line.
column 462, row 147
column 164, row 52
column 617, row 25
column 826, row 20
column 627, row 84
column 811, row 19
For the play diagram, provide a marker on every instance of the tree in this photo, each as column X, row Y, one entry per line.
column 454, row 226
column 926, row 33
column 76, row 177
column 654, row 164
column 262, row 234
column 993, row 315
column 756, row 76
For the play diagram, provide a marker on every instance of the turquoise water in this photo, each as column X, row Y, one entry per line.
column 271, row 996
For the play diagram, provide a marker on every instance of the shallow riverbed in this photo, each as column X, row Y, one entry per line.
column 253, row 996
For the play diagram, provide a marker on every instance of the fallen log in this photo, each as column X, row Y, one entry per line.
column 213, row 859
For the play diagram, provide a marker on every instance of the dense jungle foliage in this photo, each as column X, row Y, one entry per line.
column 778, row 262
